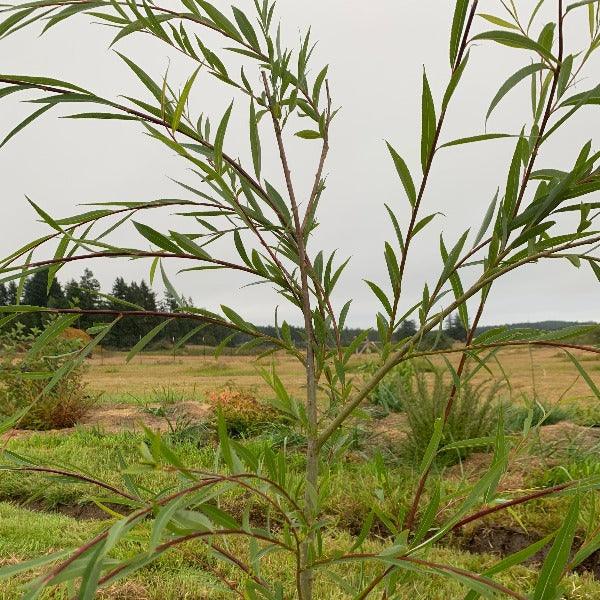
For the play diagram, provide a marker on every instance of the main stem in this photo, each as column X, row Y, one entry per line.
column 306, row 576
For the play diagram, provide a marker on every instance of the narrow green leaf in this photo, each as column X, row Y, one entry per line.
column 434, row 444
column 476, row 138
column 13, row 19
column 220, row 20
column 255, row 141
column 487, row 219
column 246, row 28
column 404, row 174
column 104, row 116
column 585, row 375
column 308, row 134
column 220, row 138
column 182, row 100
column 579, row 4
column 146, row 339
column 156, row 238
column 596, row 268
column 153, row 87
column 553, row 568
column 428, row 123
column 188, row 245
column 498, row 21
column 458, row 22
column 515, row 40
column 565, row 74
column 68, row 12
column 381, row 296
column 454, row 81
column 32, row 117
column 511, row 82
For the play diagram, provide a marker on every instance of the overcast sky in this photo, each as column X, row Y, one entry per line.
column 376, row 51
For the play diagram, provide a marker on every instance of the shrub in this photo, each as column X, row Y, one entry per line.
column 424, row 399
column 242, row 411
column 386, row 394
column 22, row 380
column 515, row 416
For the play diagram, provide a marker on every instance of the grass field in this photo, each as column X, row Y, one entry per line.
column 38, row 515
column 544, row 372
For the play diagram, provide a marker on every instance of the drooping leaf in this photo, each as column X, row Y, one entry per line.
column 32, row 117
column 404, row 174
column 147, row 339
column 476, row 138
column 511, row 82
column 156, row 237
column 515, row 40
column 246, row 28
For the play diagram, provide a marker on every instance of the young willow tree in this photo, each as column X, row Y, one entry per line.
column 270, row 231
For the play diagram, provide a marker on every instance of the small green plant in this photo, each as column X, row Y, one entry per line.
column 167, row 396
column 386, row 394
column 185, row 430
column 585, row 466
column 424, row 400
column 587, row 415
column 25, row 373
column 516, row 417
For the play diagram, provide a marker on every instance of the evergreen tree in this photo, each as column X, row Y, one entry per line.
column 407, row 329
column 11, row 293
column 83, row 294
column 36, row 293
column 455, row 328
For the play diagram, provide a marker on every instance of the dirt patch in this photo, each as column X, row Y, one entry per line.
column 125, row 417
column 505, row 541
column 566, row 434
column 80, row 512
column 519, row 470
column 390, row 430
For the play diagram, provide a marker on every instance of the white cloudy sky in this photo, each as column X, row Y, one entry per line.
column 376, row 52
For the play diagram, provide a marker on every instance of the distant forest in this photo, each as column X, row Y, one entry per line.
column 86, row 294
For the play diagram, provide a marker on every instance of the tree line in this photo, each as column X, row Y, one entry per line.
column 86, row 294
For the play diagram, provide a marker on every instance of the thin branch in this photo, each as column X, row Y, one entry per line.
column 426, row 173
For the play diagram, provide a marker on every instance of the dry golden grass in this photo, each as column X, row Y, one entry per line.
column 546, row 372
column 189, row 376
